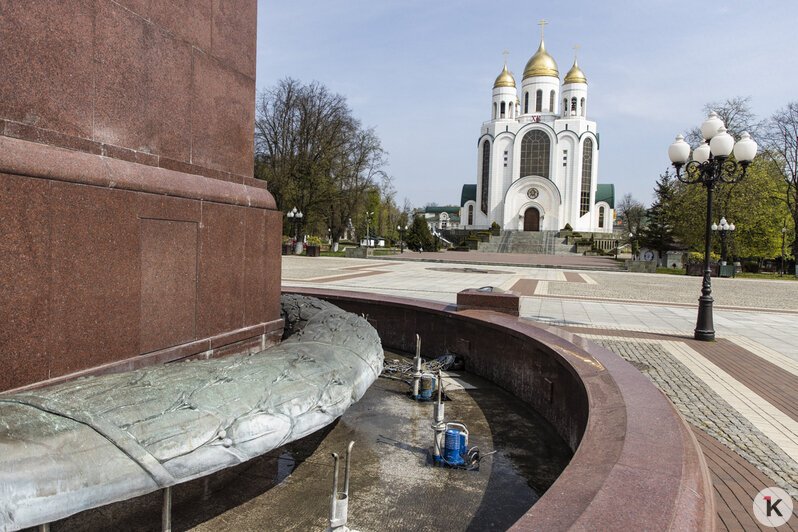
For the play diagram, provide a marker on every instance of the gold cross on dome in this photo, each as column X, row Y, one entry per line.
column 505, row 56
column 542, row 24
column 576, row 50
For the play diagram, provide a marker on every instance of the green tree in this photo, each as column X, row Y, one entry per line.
column 782, row 149
column 418, row 236
column 755, row 205
column 658, row 233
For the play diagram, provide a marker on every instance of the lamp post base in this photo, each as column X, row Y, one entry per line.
column 704, row 327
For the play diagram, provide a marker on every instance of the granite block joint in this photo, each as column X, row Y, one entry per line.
column 28, row 132
column 31, row 159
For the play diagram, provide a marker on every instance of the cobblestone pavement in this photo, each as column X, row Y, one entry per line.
column 706, row 409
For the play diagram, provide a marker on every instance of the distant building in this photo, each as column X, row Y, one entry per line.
column 446, row 217
column 537, row 157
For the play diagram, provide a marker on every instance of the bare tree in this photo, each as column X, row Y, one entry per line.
column 782, row 149
column 736, row 115
column 357, row 172
column 315, row 154
column 633, row 214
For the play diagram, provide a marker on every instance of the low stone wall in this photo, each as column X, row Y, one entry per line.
column 636, row 462
column 641, row 266
column 358, row 253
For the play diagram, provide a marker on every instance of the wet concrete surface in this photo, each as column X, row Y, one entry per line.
column 393, row 484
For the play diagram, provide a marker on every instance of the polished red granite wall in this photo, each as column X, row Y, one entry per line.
column 158, row 82
column 133, row 231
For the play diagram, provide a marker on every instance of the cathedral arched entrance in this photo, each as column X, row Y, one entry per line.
column 532, row 219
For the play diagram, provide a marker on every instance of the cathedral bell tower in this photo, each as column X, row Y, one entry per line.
column 505, row 99
column 574, row 92
column 541, row 84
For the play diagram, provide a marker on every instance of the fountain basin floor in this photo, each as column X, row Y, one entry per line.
column 393, row 486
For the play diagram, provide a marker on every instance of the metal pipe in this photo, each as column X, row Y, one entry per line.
column 440, row 386
column 417, row 374
column 438, row 424
column 348, row 460
column 166, row 514
column 334, row 490
column 340, row 499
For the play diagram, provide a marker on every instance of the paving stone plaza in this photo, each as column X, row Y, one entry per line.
column 739, row 393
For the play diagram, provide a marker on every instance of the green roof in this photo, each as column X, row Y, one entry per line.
column 469, row 193
column 451, row 209
column 606, row 193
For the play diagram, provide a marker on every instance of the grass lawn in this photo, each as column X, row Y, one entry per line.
column 772, row 276
column 671, row 271
column 744, row 275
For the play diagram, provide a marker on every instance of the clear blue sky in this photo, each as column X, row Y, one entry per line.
column 421, row 72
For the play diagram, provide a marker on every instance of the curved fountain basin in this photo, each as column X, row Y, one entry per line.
column 636, row 462
column 107, row 438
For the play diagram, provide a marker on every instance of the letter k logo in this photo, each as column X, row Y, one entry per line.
column 772, row 506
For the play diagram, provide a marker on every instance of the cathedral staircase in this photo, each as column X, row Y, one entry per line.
column 528, row 242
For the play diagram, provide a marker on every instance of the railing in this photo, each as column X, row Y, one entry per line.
column 605, row 244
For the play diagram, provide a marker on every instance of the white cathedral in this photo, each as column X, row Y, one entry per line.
column 538, row 156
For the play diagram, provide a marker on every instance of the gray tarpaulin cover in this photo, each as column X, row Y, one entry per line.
column 97, row 440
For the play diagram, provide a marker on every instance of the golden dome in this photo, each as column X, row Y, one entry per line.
column 541, row 64
column 505, row 79
column 575, row 75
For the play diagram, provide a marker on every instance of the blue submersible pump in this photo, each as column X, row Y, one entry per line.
column 450, row 444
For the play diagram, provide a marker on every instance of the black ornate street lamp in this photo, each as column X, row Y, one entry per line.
column 369, row 214
column 723, row 227
column 296, row 217
column 710, row 165
column 402, row 231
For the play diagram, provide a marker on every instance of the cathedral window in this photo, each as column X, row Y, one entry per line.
column 503, row 109
column 565, row 158
column 601, row 217
column 539, row 101
column 494, row 110
column 535, row 153
column 582, row 106
column 573, row 106
column 564, row 107
column 551, row 102
column 511, row 109
column 470, row 215
column 587, row 172
column 485, row 172
column 526, row 102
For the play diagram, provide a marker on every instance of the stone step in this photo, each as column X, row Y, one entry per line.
column 528, row 242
